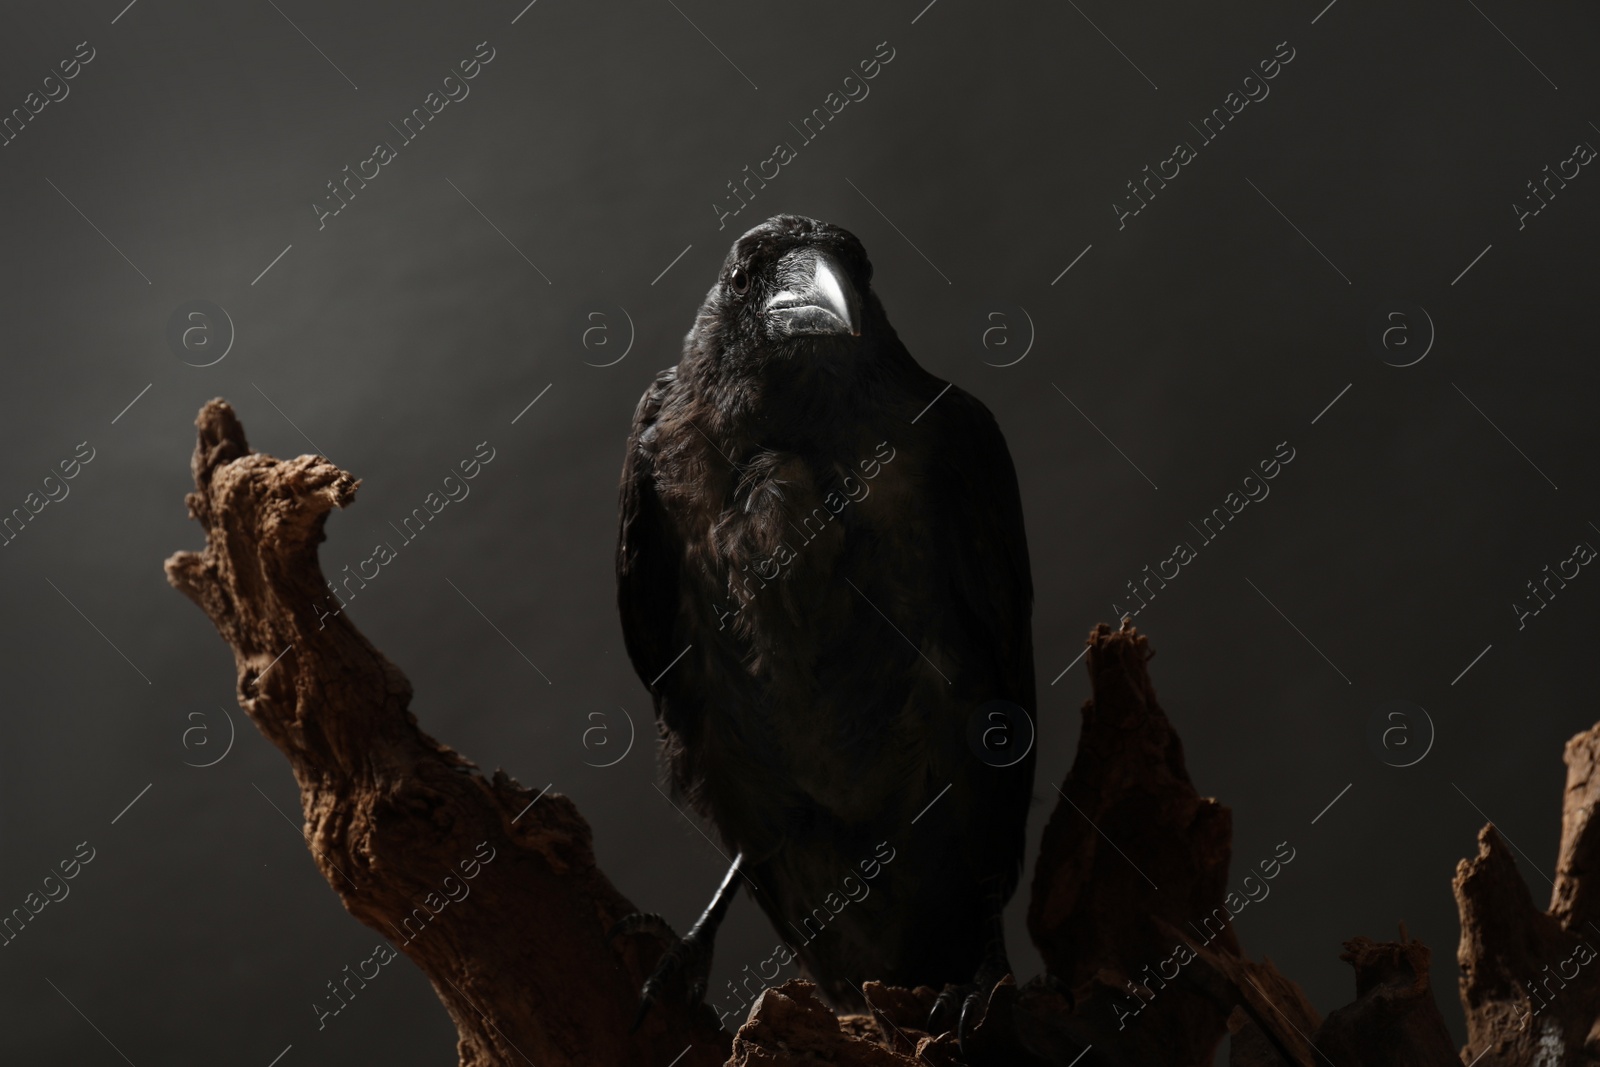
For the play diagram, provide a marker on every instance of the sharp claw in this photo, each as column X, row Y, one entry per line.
column 971, row 1013
column 943, row 1008
column 673, row 961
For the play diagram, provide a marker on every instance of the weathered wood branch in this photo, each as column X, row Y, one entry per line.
column 1529, row 978
column 1131, row 841
column 1394, row 1021
column 502, row 908
column 492, row 890
column 1132, row 910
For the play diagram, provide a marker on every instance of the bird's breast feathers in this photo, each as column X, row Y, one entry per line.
column 771, row 540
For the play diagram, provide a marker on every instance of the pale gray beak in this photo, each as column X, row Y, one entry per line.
column 816, row 300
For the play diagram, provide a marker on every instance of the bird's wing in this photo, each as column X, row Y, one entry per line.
column 983, row 549
column 648, row 561
column 980, row 526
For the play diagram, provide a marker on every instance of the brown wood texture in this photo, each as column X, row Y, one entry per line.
column 493, row 892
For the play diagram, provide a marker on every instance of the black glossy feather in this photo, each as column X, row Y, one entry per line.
column 824, row 581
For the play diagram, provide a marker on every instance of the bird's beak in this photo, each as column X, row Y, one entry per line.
column 817, row 299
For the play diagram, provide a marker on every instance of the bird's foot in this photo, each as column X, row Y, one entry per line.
column 961, row 1007
column 685, row 967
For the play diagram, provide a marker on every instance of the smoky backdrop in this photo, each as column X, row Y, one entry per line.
column 1373, row 252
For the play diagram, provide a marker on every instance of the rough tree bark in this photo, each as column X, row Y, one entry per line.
column 1529, row 978
column 1131, row 910
column 520, row 962
column 493, row 892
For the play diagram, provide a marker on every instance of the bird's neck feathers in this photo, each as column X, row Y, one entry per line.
column 802, row 389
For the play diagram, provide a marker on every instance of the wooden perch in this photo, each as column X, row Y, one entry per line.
column 492, row 890
column 502, row 908
column 1530, row 979
column 1131, row 910
column 1575, row 898
column 1394, row 1021
column 1131, row 841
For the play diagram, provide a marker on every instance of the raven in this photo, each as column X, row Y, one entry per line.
column 823, row 579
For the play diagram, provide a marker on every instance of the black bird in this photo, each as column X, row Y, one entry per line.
column 823, row 578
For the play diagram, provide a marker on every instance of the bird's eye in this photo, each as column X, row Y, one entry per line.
column 739, row 280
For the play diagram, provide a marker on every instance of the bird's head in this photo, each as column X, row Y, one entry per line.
column 791, row 289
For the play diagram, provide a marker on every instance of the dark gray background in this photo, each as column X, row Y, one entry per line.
column 1197, row 338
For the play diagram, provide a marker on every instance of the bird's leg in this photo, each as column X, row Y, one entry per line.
column 965, row 1004
column 689, row 958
